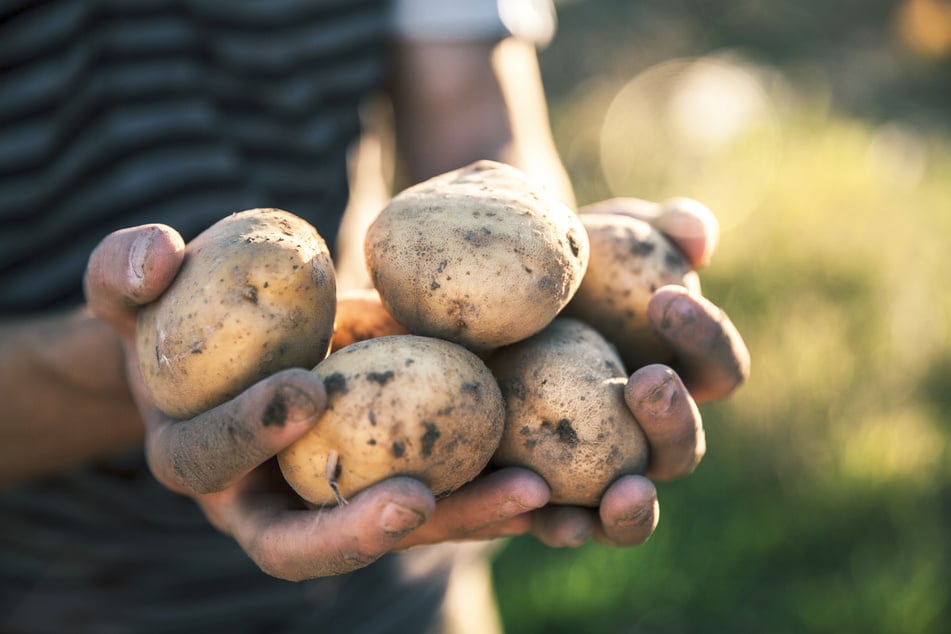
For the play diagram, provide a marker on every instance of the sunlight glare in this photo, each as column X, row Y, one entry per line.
column 705, row 128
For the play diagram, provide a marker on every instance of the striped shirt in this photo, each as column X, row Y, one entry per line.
column 118, row 112
column 115, row 113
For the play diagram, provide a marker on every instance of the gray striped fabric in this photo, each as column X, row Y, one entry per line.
column 109, row 550
column 118, row 112
column 115, row 113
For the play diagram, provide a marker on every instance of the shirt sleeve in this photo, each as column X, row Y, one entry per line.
column 532, row 20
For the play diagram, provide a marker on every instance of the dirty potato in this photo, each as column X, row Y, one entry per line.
column 255, row 294
column 397, row 405
column 629, row 261
column 480, row 256
column 566, row 418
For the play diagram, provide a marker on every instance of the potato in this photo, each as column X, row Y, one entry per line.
column 361, row 316
column 565, row 415
column 480, row 256
column 629, row 261
column 255, row 294
column 397, row 405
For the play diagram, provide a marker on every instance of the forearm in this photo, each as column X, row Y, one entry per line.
column 64, row 395
column 532, row 148
column 456, row 102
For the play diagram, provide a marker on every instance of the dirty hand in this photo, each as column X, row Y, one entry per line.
column 224, row 458
column 711, row 361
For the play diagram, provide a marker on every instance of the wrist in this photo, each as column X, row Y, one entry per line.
column 66, row 399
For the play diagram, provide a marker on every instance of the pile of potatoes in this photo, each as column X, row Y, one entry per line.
column 482, row 341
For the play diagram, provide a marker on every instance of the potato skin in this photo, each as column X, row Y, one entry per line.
column 453, row 255
column 361, row 316
column 398, row 405
column 256, row 294
column 629, row 261
column 566, row 418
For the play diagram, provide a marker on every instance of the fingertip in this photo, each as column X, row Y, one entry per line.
column 405, row 504
column 154, row 257
column 651, row 388
column 526, row 490
column 564, row 526
column 399, row 519
column 298, row 398
column 129, row 268
column 332, row 541
column 646, row 210
column 712, row 357
column 407, row 490
column 689, row 322
column 673, row 308
column 272, row 414
column 495, row 503
column 629, row 511
column 670, row 420
column 691, row 225
column 219, row 446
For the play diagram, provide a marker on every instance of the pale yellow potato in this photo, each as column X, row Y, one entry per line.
column 255, row 294
column 480, row 256
column 629, row 261
column 361, row 316
column 565, row 415
column 397, row 405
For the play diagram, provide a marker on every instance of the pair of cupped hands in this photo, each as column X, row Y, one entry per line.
column 224, row 458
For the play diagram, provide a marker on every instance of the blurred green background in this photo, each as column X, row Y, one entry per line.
column 818, row 132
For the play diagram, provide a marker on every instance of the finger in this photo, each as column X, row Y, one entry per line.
column 712, row 359
column 688, row 223
column 645, row 210
column 217, row 448
column 492, row 505
column 563, row 526
column 670, row 420
column 629, row 512
column 296, row 544
column 692, row 227
column 129, row 268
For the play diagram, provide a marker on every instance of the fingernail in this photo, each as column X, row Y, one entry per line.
column 660, row 398
column 289, row 405
column 397, row 519
column 137, row 255
column 638, row 517
column 678, row 314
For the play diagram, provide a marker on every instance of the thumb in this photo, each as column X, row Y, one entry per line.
column 130, row 268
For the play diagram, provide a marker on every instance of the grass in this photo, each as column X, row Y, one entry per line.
column 824, row 502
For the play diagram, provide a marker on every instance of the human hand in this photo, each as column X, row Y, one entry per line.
column 711, row 361
column 223, row 458
column 710, row 355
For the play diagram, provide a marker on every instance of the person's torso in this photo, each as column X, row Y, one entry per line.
column 119, row 113
column 116, row 113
